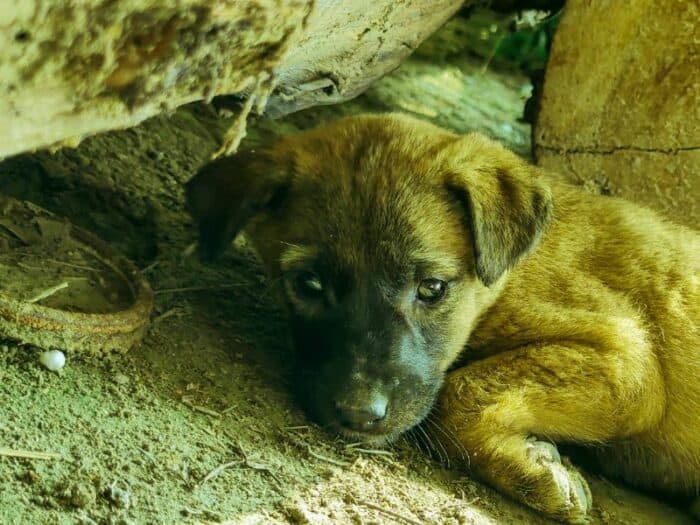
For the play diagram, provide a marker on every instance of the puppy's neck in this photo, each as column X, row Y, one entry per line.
column 475, row 305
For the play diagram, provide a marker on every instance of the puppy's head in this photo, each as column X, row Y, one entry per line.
column 388, row 236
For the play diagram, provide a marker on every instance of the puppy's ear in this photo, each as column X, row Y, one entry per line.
column 229, row 191
column 507, row 203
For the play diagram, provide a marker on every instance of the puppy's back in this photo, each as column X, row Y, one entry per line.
column 650, row 267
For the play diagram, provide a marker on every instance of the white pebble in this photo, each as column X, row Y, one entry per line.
column 53, row 360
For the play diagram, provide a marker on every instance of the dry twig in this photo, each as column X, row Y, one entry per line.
column 218, row 470
column 253, row 464
column 166, row 314
column 357, row 447
column 28, row 454
column 76, row 266
column 150, row 267
column 198, row 408
column 332, row 461
column 48, row 292
column 371, row 451
column 395, row 515
column 189, row 250
column 198, row 288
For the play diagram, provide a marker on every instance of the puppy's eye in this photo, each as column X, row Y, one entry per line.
column 431, row 290
column 308, row 286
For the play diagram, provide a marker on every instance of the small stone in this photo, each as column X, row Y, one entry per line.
column 30, row 477
column 121, row 379
column 53, row 360
column 81, row 495
column 119, row 497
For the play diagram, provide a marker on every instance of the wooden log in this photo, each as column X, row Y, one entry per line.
column 620, row 105
column 69, row 69
column 351, row 51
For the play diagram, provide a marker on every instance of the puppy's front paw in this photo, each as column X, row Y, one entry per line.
column 553, row 486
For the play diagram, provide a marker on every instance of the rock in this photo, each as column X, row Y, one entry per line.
column 621, row 102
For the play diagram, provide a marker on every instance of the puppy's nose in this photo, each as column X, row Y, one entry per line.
column 362, row 416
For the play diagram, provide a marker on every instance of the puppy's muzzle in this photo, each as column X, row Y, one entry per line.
column 363, row 415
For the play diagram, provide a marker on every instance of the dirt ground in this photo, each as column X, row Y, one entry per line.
column 194, row 425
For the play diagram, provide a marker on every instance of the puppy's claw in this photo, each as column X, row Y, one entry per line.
column 561, row 491
column 576, row 495
column 543, row 450
column 581, row 493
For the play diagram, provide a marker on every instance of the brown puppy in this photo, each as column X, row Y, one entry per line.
column 401, row 247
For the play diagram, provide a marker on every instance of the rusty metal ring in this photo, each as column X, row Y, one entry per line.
column 87, row 333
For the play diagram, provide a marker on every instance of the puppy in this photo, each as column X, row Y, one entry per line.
column 419, row 266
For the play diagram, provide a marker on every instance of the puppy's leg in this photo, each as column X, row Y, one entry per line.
column 504, row 409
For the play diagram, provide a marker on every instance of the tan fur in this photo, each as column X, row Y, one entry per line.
column 594, row 339
column 589, row 336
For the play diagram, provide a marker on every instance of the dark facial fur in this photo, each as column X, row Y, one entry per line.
column 387, row 236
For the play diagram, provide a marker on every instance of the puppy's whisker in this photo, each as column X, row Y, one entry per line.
column 424, row 447
column 464, row 454
column 429, row 443
column 459, row 446
column 439, row 442
column 413, row 441
column 419, row 444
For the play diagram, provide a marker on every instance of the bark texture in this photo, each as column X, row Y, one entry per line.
column 72, row 68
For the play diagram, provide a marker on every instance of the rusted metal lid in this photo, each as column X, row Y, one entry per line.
column 63, row 288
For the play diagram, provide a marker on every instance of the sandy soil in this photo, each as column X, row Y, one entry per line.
column 194, row 425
